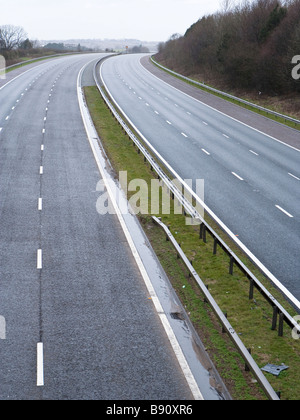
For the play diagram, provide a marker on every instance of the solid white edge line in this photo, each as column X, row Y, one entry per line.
column 167, row 327
column 220, row 112
column 256, row 261
column 12, row 80
column 40, row 365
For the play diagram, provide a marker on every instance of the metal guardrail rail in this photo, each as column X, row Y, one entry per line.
column 227, row 95
column 278, row 311
column 243, row 351
column 23, row 63
column 148, row 157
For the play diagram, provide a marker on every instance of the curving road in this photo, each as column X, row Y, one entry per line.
column 252, row 181
column 78, row 320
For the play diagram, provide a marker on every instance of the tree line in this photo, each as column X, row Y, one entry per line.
column 14, row 43
column 13, row 38
column 248, row 46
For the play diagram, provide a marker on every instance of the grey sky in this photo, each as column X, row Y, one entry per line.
column 147, row 20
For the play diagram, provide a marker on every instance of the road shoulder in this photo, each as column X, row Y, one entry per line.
column 273, row 129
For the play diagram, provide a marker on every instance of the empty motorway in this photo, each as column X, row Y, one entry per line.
column 79, row 321
column 251, row 179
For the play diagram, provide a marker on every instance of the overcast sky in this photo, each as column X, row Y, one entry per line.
column 146, row 20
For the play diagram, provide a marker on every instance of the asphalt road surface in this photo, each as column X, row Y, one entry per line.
column 79, row 321
column 251, row 180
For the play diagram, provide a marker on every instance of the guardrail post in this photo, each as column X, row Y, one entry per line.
column 215, row 246
column 201, row 231
column 274, row 320
column 262, row 380
column 280, row 327
column 277, row 307
column 204, row 234
column 251, row 291
column 231, row 265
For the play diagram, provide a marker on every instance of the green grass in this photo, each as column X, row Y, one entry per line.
column 250, row 318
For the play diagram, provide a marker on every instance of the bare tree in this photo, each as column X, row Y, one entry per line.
column 11, row 37
column 249, row 46
column 226, row 5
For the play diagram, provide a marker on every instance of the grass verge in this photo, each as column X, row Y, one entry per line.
column 237, row 102
column 250, row 318
column 32, row 60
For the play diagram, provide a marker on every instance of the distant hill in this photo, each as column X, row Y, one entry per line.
column 103, row 44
